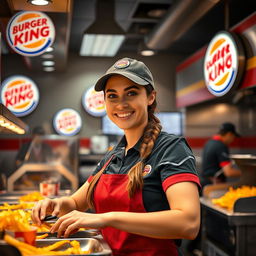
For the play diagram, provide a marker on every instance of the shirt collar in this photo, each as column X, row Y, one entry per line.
column 123, row 143
column 217, row 137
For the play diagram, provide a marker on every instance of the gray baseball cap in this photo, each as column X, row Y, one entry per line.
column 133, row 69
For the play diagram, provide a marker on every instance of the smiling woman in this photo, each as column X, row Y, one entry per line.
column 145, row 191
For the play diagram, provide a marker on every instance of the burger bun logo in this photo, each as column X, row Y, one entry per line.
column 94, row 103
column 223, row 63
column 67, row 122
column 20, row 95
column 30, row 33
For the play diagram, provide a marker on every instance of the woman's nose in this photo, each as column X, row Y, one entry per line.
column 122, row 103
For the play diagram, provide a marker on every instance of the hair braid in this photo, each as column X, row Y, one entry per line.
column 151, row 133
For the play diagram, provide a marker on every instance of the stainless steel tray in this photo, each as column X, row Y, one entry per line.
column 96, row 245
column 80, row 234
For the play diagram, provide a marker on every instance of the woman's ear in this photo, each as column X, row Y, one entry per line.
column 151, row 98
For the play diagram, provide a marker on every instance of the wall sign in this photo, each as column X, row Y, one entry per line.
column 20, row 95
column 93, row 102
column 30, row 33
column 224, row 63
column 67, row 122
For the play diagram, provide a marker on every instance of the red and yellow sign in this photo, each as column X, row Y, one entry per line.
column 67, row 122
column 20, row 95
column 94, row 103
column 222, row 65
column 30, row 33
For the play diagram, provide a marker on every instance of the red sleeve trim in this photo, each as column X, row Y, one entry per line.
column 222, row 164
column 90, row 178
column 180, row 178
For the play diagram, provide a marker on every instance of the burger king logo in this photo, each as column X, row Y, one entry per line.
column 147, row 170
column 30, row 33
column 20, row 95
column 67, row 122
column 93, row 102
column 222, row 63
column 122, row 64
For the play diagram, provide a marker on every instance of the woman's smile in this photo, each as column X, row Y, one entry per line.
column 124, row 115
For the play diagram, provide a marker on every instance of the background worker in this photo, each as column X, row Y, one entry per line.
column 216, row 163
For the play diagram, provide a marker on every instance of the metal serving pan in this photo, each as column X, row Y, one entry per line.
column 96, row 245
column 79, row 234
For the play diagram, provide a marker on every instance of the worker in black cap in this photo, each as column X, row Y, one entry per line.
column 216, row 163
column 144, row 191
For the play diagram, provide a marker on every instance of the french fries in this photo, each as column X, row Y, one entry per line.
column 32, row 197
column 27, row 249
column 229, row 198
column 17, row 220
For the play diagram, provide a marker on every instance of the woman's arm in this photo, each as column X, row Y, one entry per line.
column 60, row 206
column 182, row 221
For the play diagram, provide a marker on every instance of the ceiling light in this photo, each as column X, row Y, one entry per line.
column 49, row 49
column 104, row 37
column 47, row 56
column 49, row 69
column 48, row 63
column 39, row 2
column 145, row 51
column 101, row 45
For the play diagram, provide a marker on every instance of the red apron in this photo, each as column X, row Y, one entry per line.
column 111, row 195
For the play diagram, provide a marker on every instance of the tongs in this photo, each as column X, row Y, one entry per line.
column 50, row 218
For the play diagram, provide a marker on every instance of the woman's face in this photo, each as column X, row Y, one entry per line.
column 127, row 103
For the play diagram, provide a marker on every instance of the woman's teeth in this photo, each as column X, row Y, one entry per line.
column 123, row 115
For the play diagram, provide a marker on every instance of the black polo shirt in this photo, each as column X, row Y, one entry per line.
column 215, row 156
column 171, row 161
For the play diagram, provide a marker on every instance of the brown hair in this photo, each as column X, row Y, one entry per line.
column 150, row 135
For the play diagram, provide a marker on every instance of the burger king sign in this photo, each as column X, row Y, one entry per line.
column 30, row 33
column 224, row 63
column 67, row 122
column 20, row 95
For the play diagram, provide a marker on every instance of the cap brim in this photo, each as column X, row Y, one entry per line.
column 100, row 85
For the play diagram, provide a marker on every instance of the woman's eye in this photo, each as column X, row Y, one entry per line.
column 132, row 93
column 111, row 96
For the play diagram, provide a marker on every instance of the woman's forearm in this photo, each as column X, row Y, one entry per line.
column 172, row 224
column 68, row 204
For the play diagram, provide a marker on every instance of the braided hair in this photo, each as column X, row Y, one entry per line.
column 150, row 135
column 135, row 181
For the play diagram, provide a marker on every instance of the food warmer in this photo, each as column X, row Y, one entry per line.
column 230, row 232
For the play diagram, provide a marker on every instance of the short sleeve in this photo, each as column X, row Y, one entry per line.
column 223, row 155
column 176, row 163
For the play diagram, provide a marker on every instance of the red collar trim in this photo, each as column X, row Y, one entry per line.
column 217, row 137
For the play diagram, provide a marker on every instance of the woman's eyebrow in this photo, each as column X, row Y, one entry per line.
column 126, row 89
column 131, row 87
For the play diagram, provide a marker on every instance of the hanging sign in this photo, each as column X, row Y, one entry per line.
column 20, row 95
column 223, row 64
column 67, row 122
column 30, row 33
column 93, row 102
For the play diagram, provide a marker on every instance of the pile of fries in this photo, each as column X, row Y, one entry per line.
column 16, row 220
column 229, row 198
column 32, row 197
column 27, row 249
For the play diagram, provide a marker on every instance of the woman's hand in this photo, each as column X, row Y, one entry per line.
column 71, row 222
column 45, row 207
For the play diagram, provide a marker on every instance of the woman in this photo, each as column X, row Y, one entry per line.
column 145, row 191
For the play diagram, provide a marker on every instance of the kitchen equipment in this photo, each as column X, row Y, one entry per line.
column 230, row 232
